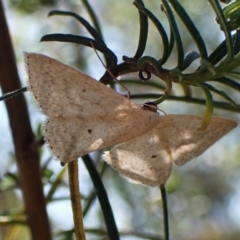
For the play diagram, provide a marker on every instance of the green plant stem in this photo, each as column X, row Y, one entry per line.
column 217, row 104
column 76, row 200
column 209, row 106
column 55, row 184
column 157, row 67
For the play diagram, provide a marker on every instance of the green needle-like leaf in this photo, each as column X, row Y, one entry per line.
column 209, row 106
column 220, row 93
column 191, row 28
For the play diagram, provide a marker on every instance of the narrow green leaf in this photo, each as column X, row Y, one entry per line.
column 229, row 82
column 102, row 197
column 85, row 23
column 209, row 106
column 175, row 31
column 222, row 21
column 220, row 93
column 160, row 29
column 83, row 41
column 191, row 28
column 143, row 21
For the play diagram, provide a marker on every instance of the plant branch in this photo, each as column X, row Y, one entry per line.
column 76, row 200
column 27, row 158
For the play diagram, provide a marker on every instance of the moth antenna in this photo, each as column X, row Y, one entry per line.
column 128, row 92
column 161, row 111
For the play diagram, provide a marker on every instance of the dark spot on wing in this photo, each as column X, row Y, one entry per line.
column 84, row 90
column 154, row 156
column 89, row 131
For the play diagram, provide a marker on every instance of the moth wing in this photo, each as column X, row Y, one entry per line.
column 75, row 137
column 143, row 160
column 83, row 113
column 148, row 159
column 63, row 91
column 186, row 141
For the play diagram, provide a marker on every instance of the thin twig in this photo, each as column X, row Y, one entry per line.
column 76, row 200
column 27, row 159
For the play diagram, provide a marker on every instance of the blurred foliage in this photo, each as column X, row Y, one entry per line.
column 28, row 6
column 201, row 195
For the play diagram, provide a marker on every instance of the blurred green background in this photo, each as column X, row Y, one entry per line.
column 203, row 195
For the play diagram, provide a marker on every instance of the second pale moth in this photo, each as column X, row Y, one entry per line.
column 148, row 159
column 84, row 115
